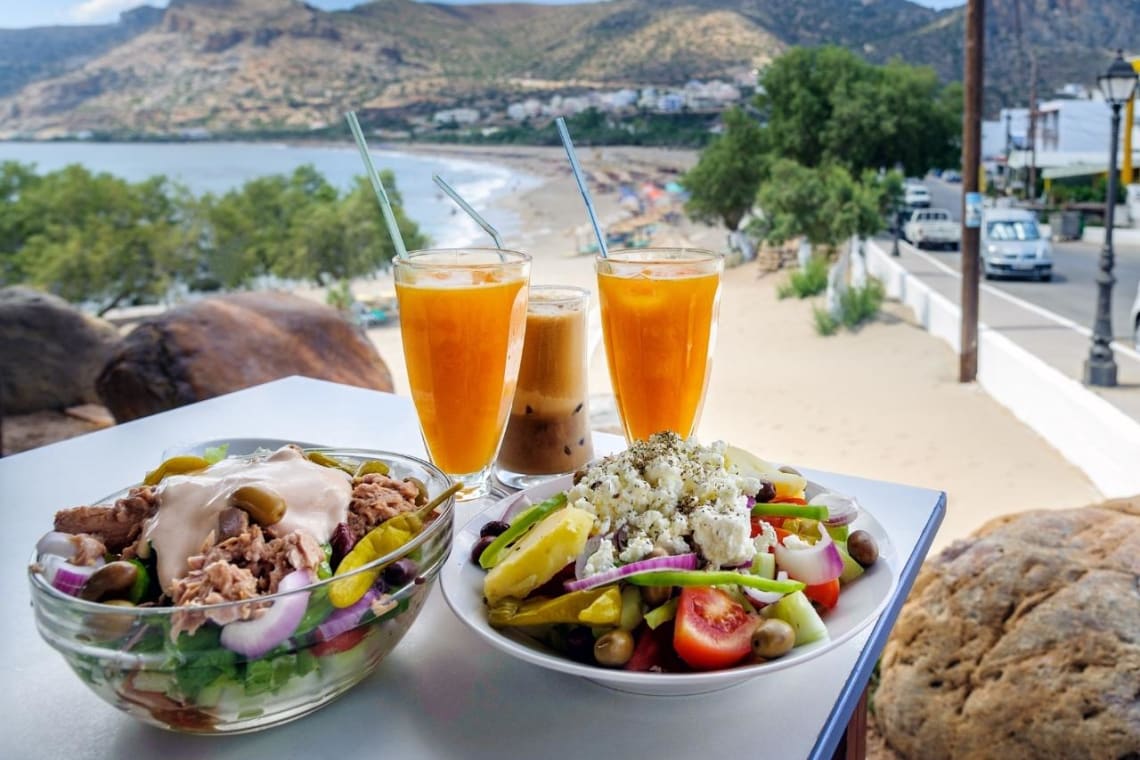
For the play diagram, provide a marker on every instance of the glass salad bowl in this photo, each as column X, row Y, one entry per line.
column 196, row 684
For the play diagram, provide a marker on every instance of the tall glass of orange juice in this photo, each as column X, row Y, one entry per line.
column 462, row 319
column 659, row 313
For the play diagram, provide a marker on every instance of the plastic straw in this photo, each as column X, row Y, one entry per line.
column 377, row 185
column 566, row 142
column 494, row 233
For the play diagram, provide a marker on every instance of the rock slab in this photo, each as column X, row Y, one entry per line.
column 1022, row 641
column 50, row 352
column 230, row 342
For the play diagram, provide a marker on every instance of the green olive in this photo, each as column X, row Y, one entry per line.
column 107, row 626
column 177, row 465
column 264, row 506
column 862, row 547
column 422, row 496
column 372, row 466
column 772, row 638
column 655, row 596
column 114, row 580
column 614, row 649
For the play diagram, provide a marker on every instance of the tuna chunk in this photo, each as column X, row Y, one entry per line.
column 117, row 526
column 239, row 568
column 376, row 498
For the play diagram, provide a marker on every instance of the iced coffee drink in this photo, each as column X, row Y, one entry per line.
column 548, row 432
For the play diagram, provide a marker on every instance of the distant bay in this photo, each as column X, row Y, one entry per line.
column 210, row 167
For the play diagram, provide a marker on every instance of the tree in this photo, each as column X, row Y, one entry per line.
column 101, row 240
column 827, row 105
column 724, row 182
column 824, row 204
column 346, row 238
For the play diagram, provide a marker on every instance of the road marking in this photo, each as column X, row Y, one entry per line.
column 1027, row 305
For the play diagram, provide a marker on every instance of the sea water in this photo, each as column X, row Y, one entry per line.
column 217, row 167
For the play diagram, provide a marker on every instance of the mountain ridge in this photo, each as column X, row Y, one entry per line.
column 266, row 65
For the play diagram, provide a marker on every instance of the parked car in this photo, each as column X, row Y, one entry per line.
column 951, row 175
column 932, row 228
column 1136, row 318
column 916, row 196
column 1012, row 245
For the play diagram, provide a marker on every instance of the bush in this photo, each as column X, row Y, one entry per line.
column 857, row 305
column 807, row 282
column 825, row 324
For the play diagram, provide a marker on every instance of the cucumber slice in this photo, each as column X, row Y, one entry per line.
column 851, row 568
column 764, row 565
column 796, row 610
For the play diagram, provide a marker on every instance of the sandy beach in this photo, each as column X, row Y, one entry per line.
column 881, row 403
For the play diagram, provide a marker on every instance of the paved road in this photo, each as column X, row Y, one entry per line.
column 1072, row 293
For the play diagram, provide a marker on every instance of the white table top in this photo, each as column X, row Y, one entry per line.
column 442, row 693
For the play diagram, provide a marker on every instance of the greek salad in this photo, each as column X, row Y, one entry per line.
column 672, row 556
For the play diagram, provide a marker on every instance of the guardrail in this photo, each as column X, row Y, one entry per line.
column 1094, row 435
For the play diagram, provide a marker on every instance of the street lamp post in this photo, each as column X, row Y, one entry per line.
column 1118, row 85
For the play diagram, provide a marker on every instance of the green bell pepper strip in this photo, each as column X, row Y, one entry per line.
column 810, row 511
column 663, row 614
column 495, row 551
column 710, row 578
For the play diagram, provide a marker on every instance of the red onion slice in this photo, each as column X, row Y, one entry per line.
column 518, row 504
column 761, row 598
column 64, row 576
column 580, row 563
column 346, row 619
column 841, row 510
column 674, row 562
column 818, row 563
column 254, row 638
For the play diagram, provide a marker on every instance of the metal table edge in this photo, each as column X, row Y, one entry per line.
column 828, row 739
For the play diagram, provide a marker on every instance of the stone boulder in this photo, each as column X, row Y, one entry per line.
column 50, row 352
column 230, row 342
column 1022, row 641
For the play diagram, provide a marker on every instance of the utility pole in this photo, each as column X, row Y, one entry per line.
column 971, row 197
column 1008, row 148
column 1031, row 190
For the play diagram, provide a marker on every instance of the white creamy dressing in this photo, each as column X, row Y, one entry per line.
column 316, row 499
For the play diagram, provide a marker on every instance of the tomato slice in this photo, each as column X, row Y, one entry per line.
column 341, row 643
column 712, row 630
column 775, row 522
column 826, row 595
column 654, row 650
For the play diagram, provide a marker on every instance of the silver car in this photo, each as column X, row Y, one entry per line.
column 1012, row 246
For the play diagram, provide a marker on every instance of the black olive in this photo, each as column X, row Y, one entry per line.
column 493, row 528
column 401, row 572
column 479, row 547
column 580, row 644
column 766, row 493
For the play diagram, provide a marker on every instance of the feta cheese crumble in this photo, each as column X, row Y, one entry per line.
column 670, row 493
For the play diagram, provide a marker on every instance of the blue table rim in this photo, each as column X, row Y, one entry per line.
column 828, row 739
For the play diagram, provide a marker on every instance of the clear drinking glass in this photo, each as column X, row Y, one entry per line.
column 462, row 317
column 659, row 313
column 548, row 433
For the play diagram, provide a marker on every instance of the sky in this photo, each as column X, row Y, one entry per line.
column 23, row 13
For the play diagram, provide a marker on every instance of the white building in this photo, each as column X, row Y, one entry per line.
column 456, row 116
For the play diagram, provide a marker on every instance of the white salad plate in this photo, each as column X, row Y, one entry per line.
column 860, row 604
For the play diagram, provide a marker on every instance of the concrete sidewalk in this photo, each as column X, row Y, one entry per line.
column 1057, row 341
column 1030, row 361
